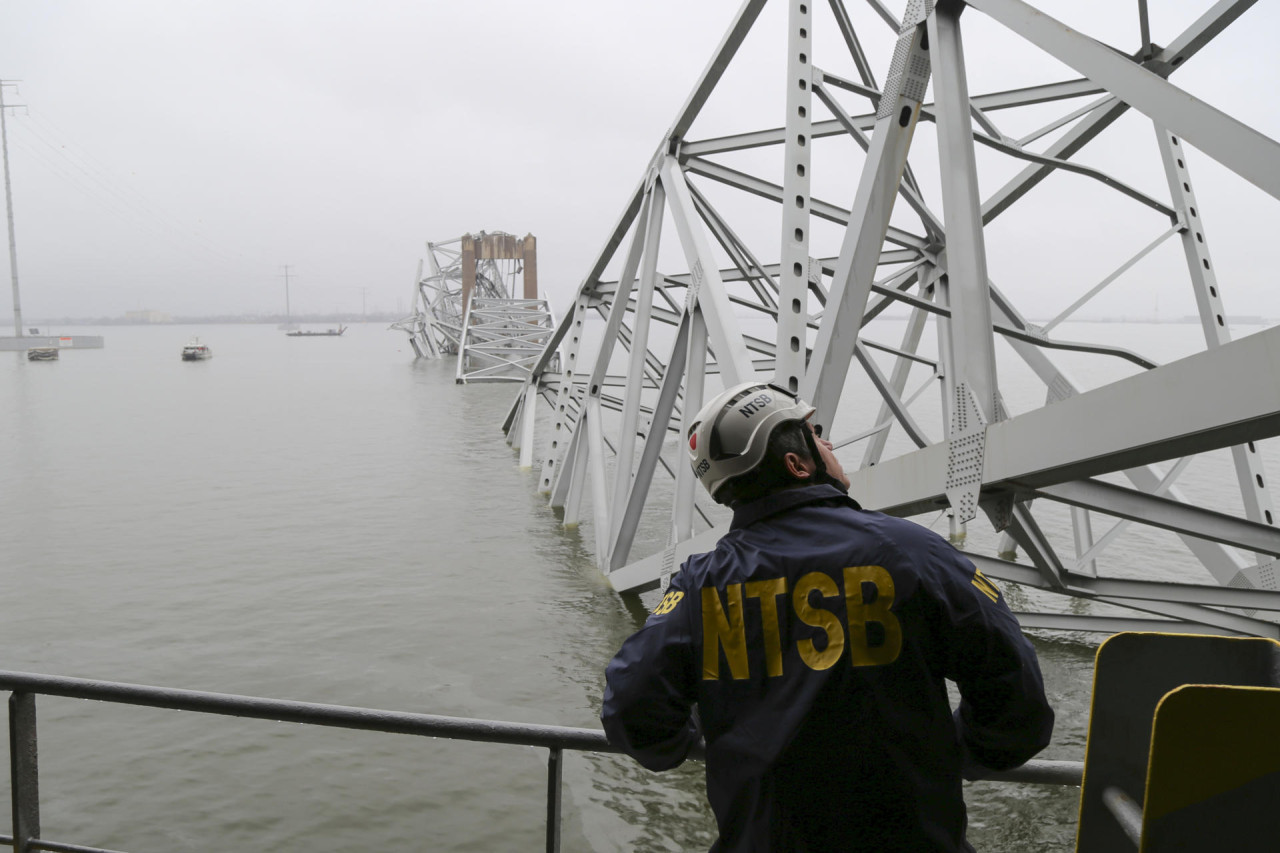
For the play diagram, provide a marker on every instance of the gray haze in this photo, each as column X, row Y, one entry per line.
column 174, row 155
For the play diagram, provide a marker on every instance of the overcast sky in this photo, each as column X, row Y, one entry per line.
column 175, row 155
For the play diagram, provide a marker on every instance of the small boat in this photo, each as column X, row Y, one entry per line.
column 196, row 351
column 42, row 354
column 327, row 333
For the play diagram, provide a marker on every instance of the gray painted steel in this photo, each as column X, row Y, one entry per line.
column 803, row 311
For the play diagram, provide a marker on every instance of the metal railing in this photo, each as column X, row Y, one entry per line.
column 24, row 763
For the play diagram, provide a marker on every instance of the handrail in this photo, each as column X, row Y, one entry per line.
column 283, row 710
column 23, row 754
column 1126, row 811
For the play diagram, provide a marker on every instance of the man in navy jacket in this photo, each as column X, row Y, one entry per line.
column 811, row 650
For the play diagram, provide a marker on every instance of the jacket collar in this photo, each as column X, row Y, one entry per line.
column 781, row 501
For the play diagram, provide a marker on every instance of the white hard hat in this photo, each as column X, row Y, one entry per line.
column 729, row 435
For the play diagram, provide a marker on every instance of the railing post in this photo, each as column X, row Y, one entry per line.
column 24, row 770
column 555, row 772
column 1125, row 810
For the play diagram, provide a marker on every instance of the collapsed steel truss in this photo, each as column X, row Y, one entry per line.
column 503, row 338
column 641, row 352
column 467, row 307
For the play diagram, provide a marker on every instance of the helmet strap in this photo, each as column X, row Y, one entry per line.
column 820, row 474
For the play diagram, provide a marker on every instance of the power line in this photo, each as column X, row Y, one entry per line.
column 104, row 190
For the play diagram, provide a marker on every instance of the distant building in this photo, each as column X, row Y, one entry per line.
column 148, row 317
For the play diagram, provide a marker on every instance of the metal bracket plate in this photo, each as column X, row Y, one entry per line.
column 966, row 451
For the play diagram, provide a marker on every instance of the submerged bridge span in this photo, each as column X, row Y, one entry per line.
column 470, row 306
column 880, row 247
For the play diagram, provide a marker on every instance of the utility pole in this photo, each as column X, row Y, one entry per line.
column 288, row 323
column 363, row 294
column 8, row 201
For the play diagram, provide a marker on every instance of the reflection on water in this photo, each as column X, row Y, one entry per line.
column 326, row 520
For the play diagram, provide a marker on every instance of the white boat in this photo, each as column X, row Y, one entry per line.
column 196, row 351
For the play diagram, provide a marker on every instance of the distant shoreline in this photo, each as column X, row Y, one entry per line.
column 240, row 319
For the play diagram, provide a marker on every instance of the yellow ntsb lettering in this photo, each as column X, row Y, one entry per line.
column 768, row 592
column 869, row 626
column 819, row 618
column 723, row 628
column 668, row 603
column 875, row 635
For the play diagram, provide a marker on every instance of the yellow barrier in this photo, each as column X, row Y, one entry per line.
column 1184, row 737
column 1213, row 781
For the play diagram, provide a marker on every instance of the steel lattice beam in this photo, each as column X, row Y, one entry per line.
column 640, row 349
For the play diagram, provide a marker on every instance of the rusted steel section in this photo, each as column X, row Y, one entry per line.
column 468, row 270
column 499, row 247
column 530, row 257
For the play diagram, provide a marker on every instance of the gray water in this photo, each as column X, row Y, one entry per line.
column 328, row 520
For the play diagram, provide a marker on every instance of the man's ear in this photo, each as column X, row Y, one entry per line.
column 798, row 467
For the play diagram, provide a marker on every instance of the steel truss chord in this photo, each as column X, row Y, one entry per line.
column 1011, row 99
column 869, row 218
column 706, row 290
column 1165, row 513
column 793, row 279
column 1209, row 304
column 1189, row 606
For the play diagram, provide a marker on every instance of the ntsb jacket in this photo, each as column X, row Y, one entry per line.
column 816, row 641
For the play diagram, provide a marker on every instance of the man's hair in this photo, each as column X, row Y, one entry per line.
column 771, row 474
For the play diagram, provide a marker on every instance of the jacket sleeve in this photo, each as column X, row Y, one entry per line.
column 650, row 686
column 1003, row 718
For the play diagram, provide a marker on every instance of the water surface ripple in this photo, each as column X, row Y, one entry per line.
column 327, row 520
